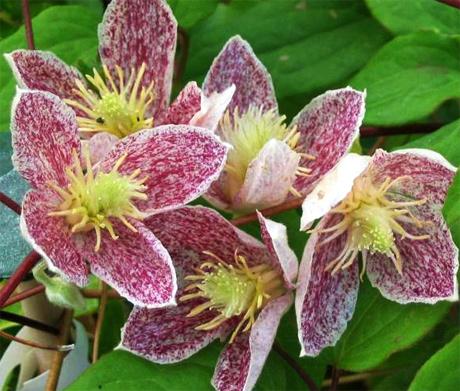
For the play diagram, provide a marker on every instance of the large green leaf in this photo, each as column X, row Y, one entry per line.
column 122, row 371
column 451, row 209
column 442, row 371
column 188, row 13
column 67, row 31
column 381, row 327
column 444, row 141
column 410, row 77
column 308, row 46
column 402, row 17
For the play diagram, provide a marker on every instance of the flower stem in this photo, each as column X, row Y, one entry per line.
column 28, row 24
column 23, row 320
column 55, row 370
column 25, row 267
column 335, row 377
column 371, row 131
column 7, row 201
column 24, row 295
column 56, row 348
column 100, row 321
column 295, row 366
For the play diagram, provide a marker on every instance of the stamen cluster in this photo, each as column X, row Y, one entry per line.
column 91, row 200
column 370, row 220
column 233, row 290
column 120, row 109
column 248, row 133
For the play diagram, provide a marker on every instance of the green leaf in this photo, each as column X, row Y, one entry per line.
column 317, row 45
column 123, row 371
column 444, row 141
column 440, row 372
column 410, row 77
column 402, row 17
column 67, row 31
column 188, row 13
column 380, row 327
column 115, row 317
column 451, row 210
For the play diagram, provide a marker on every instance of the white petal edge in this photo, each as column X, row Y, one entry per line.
column 429, row 154
column 332, row 188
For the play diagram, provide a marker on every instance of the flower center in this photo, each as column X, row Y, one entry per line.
column 232, row 290
column 248, row 133
column 91, row 200
column 119, row 109
column 371, row 221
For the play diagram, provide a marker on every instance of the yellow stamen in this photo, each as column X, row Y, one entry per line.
column 233, row 290
column 371, row 220
column 92, row 200
column 115, row 107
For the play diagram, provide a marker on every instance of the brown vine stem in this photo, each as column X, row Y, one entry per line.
column 24, row 295
column 64, row 333
column 11, row 284
column 335, row 377
column 292, row 204
column 24, row 321
column 96, row 293
column 295, row 366
column 28, row 24
column 452, row 3
column 10, row 203
column 100, row 321
column 357, row 377
column 371, row 131
column 32, row 344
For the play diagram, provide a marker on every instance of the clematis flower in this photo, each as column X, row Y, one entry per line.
column 271, row 161
column 137, row 41
column 82, row 221
column 230, row 285
column 388, row 209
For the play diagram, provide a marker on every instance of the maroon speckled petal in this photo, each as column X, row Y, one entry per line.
column 99, row 145
column 324, row 302
column 184, row 107
column 328, row 126
column 141, row 31
column 180, row 161
column 136, row 265
column 212, row 108
column 430, row 174
column 429, row 266
column 242, row 361
column 268, row 178
column 167, row 335
column 188, row 231
column 39, row 70
column 274, row 236
column 50, row 236
column 237, row 64
column 44, row 133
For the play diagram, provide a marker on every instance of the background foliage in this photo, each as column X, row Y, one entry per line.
column 405, row 53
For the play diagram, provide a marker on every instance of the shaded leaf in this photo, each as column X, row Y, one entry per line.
column 380, row 327
column 67, row 31
column 410, row 77
column 442, row 371
column 402, row 17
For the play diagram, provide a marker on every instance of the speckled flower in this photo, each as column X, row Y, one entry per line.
column 137, row 42
column 230, row 285
column 92, row 220
column 270, row 160
column 387, row 209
